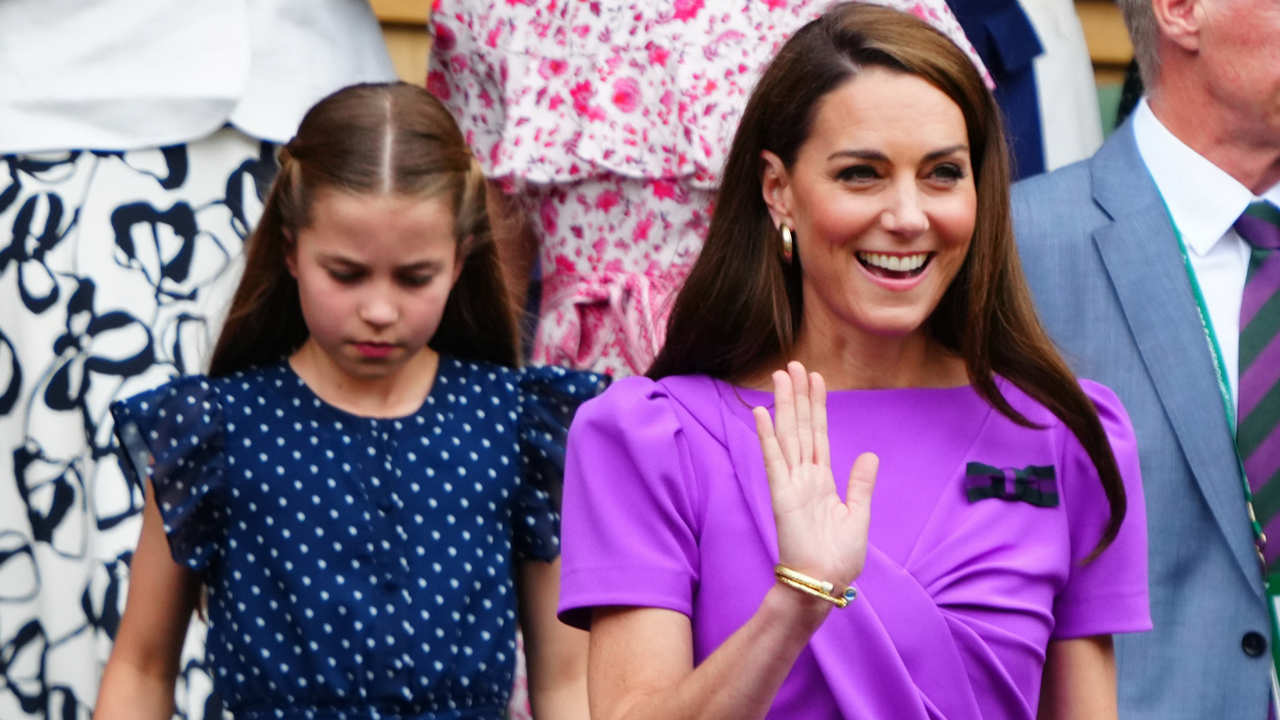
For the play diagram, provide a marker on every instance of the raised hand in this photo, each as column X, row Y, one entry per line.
column 817, row 533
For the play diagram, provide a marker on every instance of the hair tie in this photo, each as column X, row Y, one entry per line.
column 284, row 156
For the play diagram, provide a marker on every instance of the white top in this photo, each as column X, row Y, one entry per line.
column 1204, row 202
column 124, row 74
column 1070, row 122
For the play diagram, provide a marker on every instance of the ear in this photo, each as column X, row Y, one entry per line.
column 1180, row 21
column 290, row 253
column 775, row 186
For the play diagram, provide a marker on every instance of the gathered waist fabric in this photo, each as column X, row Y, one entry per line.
column 606, row 322
column 613, row 251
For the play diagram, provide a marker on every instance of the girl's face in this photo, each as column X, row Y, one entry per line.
column 374, row 273
column 882, row 200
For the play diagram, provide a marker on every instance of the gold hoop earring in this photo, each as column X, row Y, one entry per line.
column 788, row 242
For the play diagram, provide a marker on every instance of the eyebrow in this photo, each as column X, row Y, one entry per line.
column 877, row 155
column 420, row 266
column 423, row 266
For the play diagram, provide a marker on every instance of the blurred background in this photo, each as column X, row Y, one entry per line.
column 404, row 25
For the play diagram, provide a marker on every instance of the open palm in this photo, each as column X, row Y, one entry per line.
column 817, row 533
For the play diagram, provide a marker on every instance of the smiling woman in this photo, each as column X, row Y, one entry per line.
column 860, row 242
column 882, row 203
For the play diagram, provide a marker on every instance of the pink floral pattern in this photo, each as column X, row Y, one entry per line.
column 614, row 251
column 611, row 120
column 562, row 90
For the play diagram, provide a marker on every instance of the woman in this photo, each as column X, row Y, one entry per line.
column 605, row 126
column 862, row 231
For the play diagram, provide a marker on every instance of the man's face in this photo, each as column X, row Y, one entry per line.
column 1240, row 49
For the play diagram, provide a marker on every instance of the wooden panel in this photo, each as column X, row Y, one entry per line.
column 408, row 47
column 403, row 12
column 1105, row 34
column 404, row 28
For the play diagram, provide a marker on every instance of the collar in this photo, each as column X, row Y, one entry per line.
column 1203, row 200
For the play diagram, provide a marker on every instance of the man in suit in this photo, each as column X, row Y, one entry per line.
column 1103, row 247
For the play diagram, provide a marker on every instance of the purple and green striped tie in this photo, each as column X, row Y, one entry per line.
column 1258, row 430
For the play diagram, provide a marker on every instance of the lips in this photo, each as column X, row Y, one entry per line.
column 375, row 350
column 895, row 266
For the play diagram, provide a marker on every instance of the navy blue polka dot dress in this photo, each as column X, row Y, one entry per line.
column 358, row 567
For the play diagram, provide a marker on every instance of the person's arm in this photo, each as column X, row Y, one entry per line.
column 139, row 678
column 641, row 661
column 556, row 653
column 1079, row 681
column 640, row 664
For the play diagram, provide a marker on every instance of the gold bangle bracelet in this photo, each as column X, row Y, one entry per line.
column 837, row 601
column 820, row 585
column 814, row 586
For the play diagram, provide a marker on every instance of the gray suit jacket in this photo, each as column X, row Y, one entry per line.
column 1109, row 282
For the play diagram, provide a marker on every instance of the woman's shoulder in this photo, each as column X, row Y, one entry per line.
column 687, row 391
column 1104, row 400
column 669, row 406
column 1112, row 416
column 1115, row 423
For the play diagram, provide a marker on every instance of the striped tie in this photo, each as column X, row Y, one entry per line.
column 1258, row 433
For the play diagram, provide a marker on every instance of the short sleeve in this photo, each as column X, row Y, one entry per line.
column 173, row 436
column 1110, row 593
column 549, row 397
column 630, row 506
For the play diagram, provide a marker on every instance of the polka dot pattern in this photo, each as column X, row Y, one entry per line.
column 359, row 567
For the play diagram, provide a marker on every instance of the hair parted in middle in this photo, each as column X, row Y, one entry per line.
column 741, row 308
column 374, row 138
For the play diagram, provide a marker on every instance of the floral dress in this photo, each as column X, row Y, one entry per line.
column 610, row 121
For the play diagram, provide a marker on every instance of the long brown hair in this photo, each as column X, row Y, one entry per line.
column 370, row 138
column 741, row 307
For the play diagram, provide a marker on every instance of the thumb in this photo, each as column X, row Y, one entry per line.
column 862, row 481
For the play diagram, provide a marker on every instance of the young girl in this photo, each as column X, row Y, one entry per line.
column 362, row 485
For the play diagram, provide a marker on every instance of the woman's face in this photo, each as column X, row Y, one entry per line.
column 882, row 201
column 374, row 273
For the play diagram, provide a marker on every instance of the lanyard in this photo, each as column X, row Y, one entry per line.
column 1271, row 583
column 1219, row 367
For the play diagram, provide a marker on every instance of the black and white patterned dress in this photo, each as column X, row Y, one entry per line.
column 115, row 269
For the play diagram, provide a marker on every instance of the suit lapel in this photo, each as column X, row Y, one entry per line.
column 1141, row 255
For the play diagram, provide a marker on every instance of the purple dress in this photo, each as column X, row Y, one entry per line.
column 978, row 530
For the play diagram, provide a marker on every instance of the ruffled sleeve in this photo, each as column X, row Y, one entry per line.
column 1110, row 593
column 549, row 397
column 551, row 93
column 631, row 506
column 173, row 436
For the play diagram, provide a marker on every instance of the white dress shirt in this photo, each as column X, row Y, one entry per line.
column 1204, row 202
column 125, row 74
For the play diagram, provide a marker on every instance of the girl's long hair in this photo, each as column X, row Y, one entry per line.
column 391, row 138
column 741, row 308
